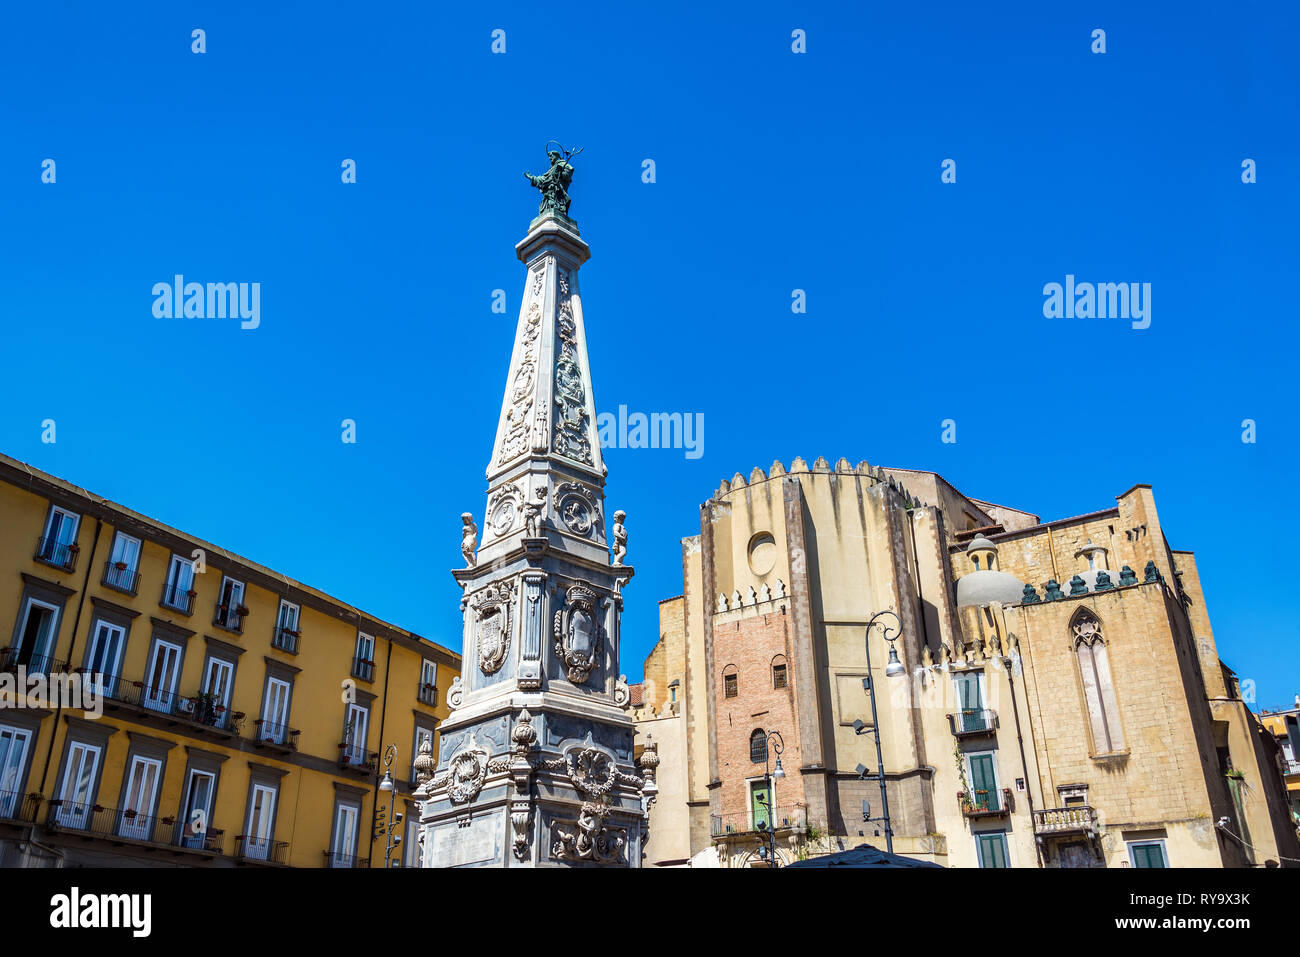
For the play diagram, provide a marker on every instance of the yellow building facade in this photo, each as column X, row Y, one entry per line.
column 164, row 702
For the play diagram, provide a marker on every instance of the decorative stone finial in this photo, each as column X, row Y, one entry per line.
column 1152, row 573
column 1127, row 576
column 1030, row 597
column 1103, row 582
column 524, row 734
column 425, row 763
column 1052, row 590
column 1078, row 586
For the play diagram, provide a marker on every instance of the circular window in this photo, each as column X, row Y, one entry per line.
column 762, row 553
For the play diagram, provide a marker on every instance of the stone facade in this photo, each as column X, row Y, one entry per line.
column 1063, row 703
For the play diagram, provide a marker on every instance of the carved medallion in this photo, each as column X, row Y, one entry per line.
column 492, row 625
column 466, row 773
column 578, row 633
column 503, row 509
column 578, row 508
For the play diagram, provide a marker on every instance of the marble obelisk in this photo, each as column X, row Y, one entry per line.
column 535, row 764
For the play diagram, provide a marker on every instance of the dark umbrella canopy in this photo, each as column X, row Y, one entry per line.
column 864, row 855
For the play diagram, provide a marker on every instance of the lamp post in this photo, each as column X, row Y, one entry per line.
column 768, row 774
column 893, row 669
column 387, row 787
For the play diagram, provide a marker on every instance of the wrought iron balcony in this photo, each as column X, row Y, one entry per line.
column 357, row 758
column 1075, row 819
column 363, row 668
column 981, row 803
column 285, row 639
column 17, row 806
column 973, row 722
column 346, row 861
column 11, row 659
column 428, row 694
column 261, row 850
column 57, row 554
column 744, row 823
column 275, row 735
column 200, row 708
column 176, row 599
column 121, row 577
column 230, row 617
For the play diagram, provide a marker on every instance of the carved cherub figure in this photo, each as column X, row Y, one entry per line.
column 468, row 539
column 620, row 537
column 532, row 521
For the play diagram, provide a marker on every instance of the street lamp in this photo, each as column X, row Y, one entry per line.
column 391, row 840
column 768, row 774
column 893, row 669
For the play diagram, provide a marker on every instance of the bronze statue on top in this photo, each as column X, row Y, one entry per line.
column 554, row 183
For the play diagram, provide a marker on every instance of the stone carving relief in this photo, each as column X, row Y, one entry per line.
column 455, row 694
column 590, row 839
column 620, row 538
column 503, row 509
column 492, row 625
column 465, row 774
column 622, row 693
column 571, row 419
column 577, row 633
column 522, row 387
column 578, row 508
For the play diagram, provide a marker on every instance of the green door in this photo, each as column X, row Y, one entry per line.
column 760, row 800
column 993, row 849
column 972, row 707
column 982, row 782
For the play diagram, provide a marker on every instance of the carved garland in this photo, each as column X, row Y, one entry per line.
column 522, row 386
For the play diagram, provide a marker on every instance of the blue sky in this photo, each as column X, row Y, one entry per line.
column 775, row 171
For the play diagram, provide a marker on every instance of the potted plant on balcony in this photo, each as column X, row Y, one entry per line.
column 120, row 566
column 241, row 611
column 192, row 593
column 74, row 548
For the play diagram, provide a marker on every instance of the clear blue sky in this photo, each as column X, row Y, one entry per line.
column 775, row 171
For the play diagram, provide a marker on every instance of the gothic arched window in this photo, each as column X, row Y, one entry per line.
column 758, row 746
column 1098, row 692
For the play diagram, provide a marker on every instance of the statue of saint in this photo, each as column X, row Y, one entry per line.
column 554, row 183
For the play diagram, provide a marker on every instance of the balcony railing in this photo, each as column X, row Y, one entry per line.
column 428, row 694
column 1076, row 819
column 286, row 639
column 981, row 803
column 17, row 806
column 363, row 668
column 357, row 758
column 334, row 860
column 13, row 658
column 746, row 822
column 261, row 849
column 230, row 617
column 175, row 598
column 51, row 551
column 973, row 722
column 121, row 577
column 275, row 734
column 199, row 708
